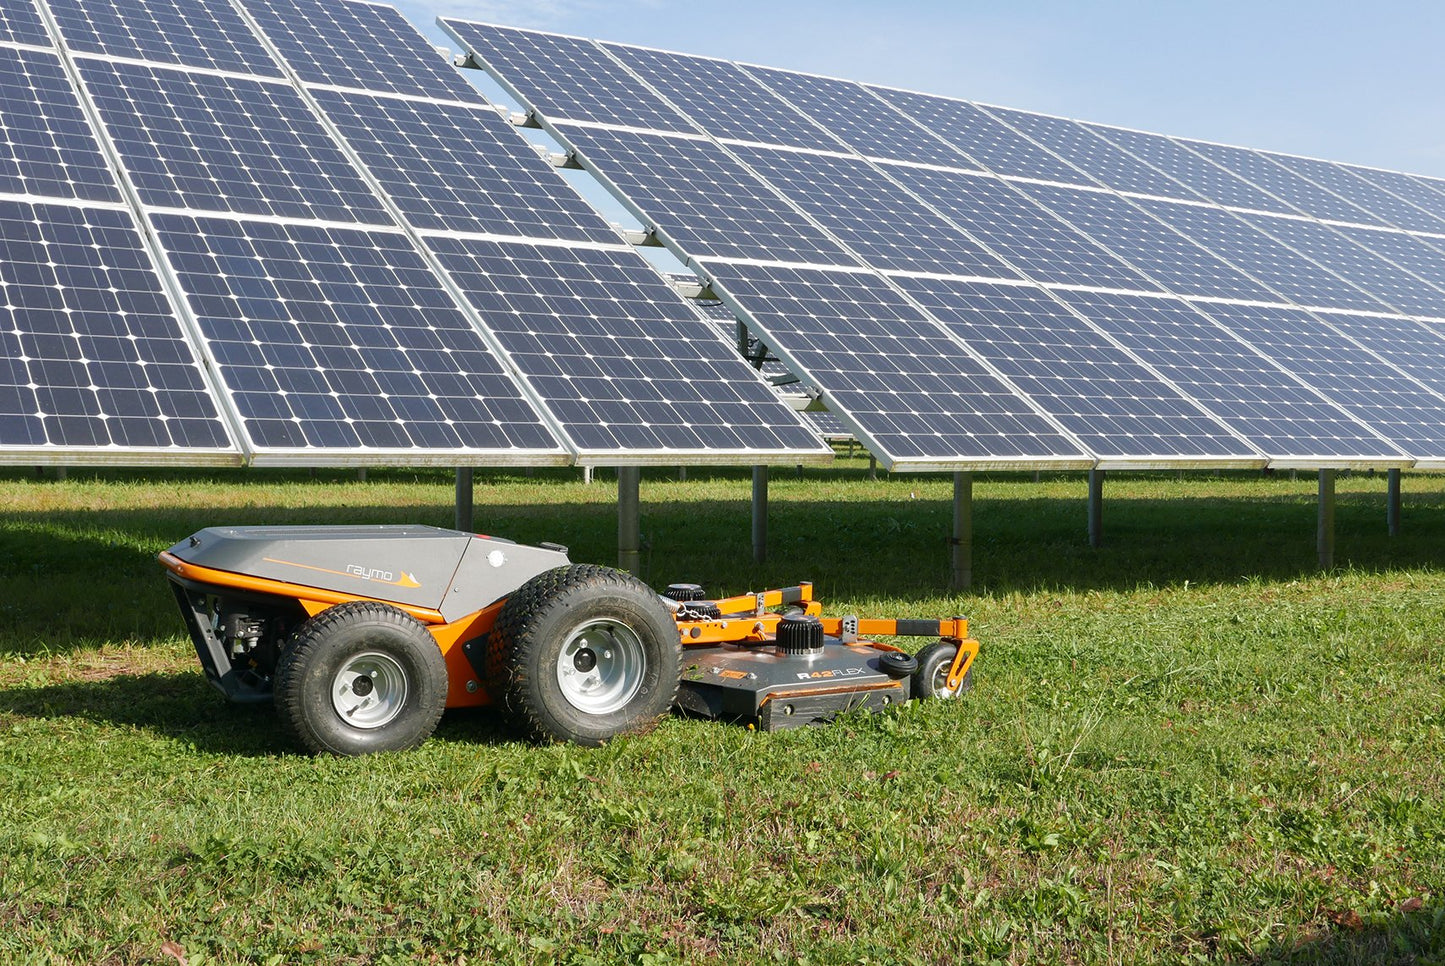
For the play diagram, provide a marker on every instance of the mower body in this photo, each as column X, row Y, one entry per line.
column 554, row 642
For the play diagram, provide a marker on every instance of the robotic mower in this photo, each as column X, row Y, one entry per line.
column 362, row 636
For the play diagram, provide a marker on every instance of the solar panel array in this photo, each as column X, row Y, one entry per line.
column 290, row 231
column 976, row 286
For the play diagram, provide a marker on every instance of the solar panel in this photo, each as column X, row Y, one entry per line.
column 1254, row 397
column 859, row 118
column 1339, row 180
column 1421, row 257
column 1115, row 406
column 359, row 45
column 986, row 141
column 1399, row 408
column 196, row 33
column 94, row 358
column 703, row 199
column 622, row 364
column 1426, row 193
column 828, row 425
column 567, row 78
column 1275, row 265
column 490, row 181
column 1300, row 193
column 1035, row 242
column 47, row 148
column 880, row 222
column 1393, row 286
column 20, row 23
column 889, row 371
column 1189, row 168
column 215, row 143
column 1083, row 149
column 722, row 99
column 1409, row 345
column 334, row 338
column 1147, row 244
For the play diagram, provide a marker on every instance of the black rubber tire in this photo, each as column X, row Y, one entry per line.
column 326, row 645
column 536, row 623
column 934, row 662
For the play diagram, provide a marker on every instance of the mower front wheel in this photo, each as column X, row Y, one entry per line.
column 361, row 677
column 931, row 678
column 584, row 654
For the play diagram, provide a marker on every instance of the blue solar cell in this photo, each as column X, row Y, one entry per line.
column 46, row 144
column 1011, row 224
column 721, row 99
column 1147, row 244
column 876, row 218
column 697, row 194
column 567, row 78
column 1113, row 404
column 459, row 167
column 211, row 143
column 360, row 45
column 1325, row 359
column 988, row 142
column 20, row 23
column 1304, row 195
column 859, row 118
column 615, row 354
column 91, row 351
column 1282, row 269
column 195, row 33
column 343, row 339
column 1341, row 181
column 1250, row 394
column 1083, row 149
column 1394, row 287
column 890, row 368
column 1189, row 168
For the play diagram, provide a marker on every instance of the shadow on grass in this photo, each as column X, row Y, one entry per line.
column 1408, row 938
column 186, row 709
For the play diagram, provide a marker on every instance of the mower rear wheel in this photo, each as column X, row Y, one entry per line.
column 584, row 654
column 931, row 678
column 361, row 677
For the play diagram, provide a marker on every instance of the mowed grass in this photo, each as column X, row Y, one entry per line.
column 1189, row 745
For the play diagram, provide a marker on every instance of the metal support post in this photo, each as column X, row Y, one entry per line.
column 464, row 499
column 760, row 514
column 1096, row 508
column 629, row 519
column 872, row 467
column 962, row 541
column 587, row 475
column 1392, row 502
column 1325, row 532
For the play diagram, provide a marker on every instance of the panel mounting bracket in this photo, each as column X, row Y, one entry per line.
column 695, row 290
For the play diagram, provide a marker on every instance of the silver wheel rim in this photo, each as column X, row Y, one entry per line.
column 939, row 682
column 370, row 690
column 600, row 666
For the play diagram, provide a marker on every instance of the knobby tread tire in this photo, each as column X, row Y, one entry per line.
column 524, row 643
column 321, row 645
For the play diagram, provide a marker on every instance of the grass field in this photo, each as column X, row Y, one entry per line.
column 1188, row 745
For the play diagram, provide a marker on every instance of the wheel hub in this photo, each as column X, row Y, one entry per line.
column 601, row 666
column 369, row 690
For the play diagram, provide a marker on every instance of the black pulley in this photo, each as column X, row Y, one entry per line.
column 800, row 634
column 698, row 610
column 684, row 592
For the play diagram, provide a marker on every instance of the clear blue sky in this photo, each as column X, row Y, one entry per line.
column 1348, row 80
